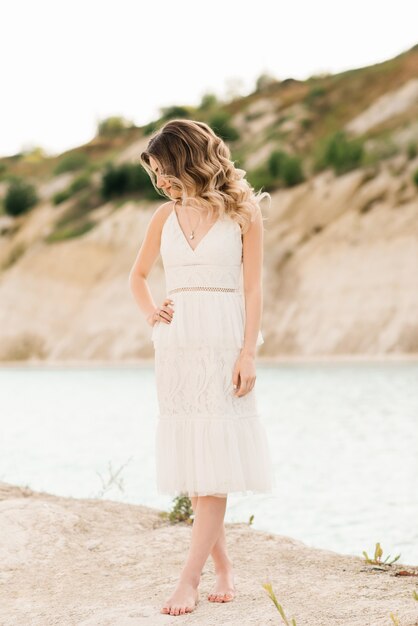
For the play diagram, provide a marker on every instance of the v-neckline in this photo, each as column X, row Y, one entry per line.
column 184, row 236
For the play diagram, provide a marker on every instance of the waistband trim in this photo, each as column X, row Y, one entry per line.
column 227, row 289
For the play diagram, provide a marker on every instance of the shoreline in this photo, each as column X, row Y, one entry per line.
column 279, row 360
column 95, row 562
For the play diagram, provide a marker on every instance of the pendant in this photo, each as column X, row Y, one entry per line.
column 191, row 236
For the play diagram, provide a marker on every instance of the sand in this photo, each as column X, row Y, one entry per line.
column 94, row 562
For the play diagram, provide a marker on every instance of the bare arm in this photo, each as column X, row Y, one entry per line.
column 252, row 272
column 146, row 257
column 244, row 371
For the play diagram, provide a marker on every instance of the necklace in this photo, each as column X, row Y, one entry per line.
column 192, row 230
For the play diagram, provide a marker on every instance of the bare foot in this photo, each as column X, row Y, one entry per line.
column 183, row 600
column 224, row 590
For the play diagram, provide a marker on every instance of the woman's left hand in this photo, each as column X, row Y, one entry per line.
column 243, row 377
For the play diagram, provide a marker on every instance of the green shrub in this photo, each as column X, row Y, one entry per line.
column 69, row 231
column 61, row 196
column 115, row 181
column 285, row 168
column 314, row 94
column 118, row 180
column 280, row 170
column 36, row 154
column 113, row 125
column 20, row 197
column 275, row 163
column 415, row 177
column 306, row 123
column 81, row 182
column 340, row 153
column 292, row 173
column 221, row 124
column 89, row 199
column 173, row 112
column 182, row 510
column 3, row 169
column 260, row 178
column 208, row 101
column 71, row 162
column 150, row 128
column 412, row 150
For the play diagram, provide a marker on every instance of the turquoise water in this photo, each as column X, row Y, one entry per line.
column 344, row 439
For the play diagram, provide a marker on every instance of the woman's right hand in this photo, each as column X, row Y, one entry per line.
column 164, row 313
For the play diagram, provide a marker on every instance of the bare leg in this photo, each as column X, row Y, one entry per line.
column 224, row 590
column 209, row 517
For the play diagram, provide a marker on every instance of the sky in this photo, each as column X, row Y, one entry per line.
column 68, row 65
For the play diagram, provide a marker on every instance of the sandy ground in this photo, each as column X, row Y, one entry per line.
column 70, row 562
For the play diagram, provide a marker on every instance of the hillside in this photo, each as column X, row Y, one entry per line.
column 341, row 243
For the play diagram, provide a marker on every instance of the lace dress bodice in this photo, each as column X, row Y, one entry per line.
column 206, row 286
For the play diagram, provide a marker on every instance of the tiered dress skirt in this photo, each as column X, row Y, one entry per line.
column 208, row 441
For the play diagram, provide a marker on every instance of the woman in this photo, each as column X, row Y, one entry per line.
column 209, row 438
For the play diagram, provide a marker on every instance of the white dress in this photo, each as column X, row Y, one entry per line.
column 208, row 441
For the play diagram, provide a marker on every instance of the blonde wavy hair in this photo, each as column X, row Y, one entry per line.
column 198, row 163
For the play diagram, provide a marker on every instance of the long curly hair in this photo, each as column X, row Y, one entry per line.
column 198, row 164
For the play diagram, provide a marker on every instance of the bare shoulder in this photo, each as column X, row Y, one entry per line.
column 255, row 222
column 162, row 212
column 164, row 209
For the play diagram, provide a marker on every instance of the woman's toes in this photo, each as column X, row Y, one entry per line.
column 225, row 597
column 220, row 597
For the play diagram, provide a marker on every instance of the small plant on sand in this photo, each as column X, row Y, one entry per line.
column 114, row 478
column 250, row 521
column 268, row 587
column 378, row 553
column 182, row 510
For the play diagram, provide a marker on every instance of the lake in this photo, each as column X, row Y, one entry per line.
column 344, row 438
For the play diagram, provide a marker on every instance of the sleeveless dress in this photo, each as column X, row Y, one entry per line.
column 207, row 441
